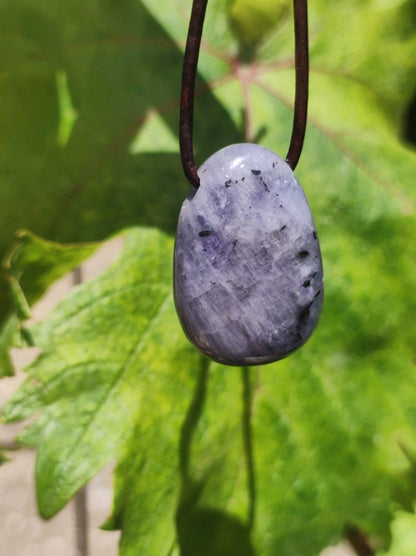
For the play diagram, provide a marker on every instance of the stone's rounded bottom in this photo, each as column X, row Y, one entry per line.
column 248, row 280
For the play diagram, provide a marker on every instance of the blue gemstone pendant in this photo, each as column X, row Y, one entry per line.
column 248, row 279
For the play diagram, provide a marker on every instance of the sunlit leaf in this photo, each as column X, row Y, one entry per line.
column 403, row 530
column 98, row 373
column 215, row 460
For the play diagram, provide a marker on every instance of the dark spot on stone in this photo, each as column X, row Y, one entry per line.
column 234, row 243
column 303, row 254
column 315, row 235
column 282, row 228
column 281, row 206
column 243, row 178
column 314, row 274
column 274, row 164
column 204, row 233
column 228, row 183
column 299, row 336
column 304, row 314
column 257, row 173
column 266, row 187
column 306, row 284
column 318, row 293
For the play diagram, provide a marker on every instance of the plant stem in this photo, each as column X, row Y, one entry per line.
column 81, row 512
column 358, row 541
column 248, row 444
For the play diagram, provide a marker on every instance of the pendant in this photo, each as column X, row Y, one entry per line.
column 248, row 278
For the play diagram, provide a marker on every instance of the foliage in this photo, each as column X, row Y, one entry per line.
column 210, row 460
column 404, row 535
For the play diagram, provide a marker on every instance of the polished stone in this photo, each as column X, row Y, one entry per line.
column 248, row 278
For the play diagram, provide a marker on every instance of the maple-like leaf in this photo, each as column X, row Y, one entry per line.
column 216, row 460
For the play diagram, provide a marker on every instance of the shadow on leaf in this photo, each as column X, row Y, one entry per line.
column 210, row 532
column 202, row 530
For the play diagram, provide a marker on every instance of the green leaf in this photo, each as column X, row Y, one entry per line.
column 358, row 179
column 19, row 300
column 215, row 515
column 31, row 265
column 98, row 374
column 265, row 461
column 67, row 113
column 34, row 263
column 252, row 22
column 6, row 334
column 403, row 535
column 78, row 85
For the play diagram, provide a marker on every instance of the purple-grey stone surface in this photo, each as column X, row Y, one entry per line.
column 248, row 279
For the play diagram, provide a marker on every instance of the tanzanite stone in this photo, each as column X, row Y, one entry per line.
column 248, row 280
